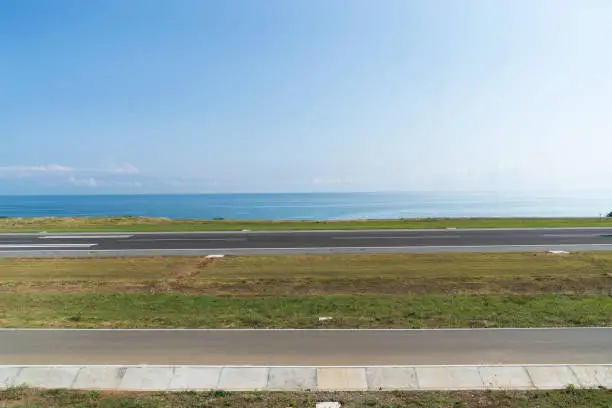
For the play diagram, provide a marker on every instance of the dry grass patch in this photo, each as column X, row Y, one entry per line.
column 291, row 275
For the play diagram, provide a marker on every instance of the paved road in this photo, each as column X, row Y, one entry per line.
column 308, row 347
column 381, row 241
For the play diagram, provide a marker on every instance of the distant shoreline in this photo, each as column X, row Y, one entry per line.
column 313, row 206
column 145, row 224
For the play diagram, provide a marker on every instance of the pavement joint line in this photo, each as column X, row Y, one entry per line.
column 529, row 375
column 74, row 380
column 570, row 368
column 219, row 378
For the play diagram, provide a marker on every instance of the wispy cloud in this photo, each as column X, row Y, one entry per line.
column 102, row 182
column 125, row 168
column 115, row 177
column 330, row 181
column 50, row 169
column 47, row 168
column 83, row 182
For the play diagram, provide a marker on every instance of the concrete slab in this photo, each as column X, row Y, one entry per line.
column 392, row 378
column 98, row 378
column 146, row 378
column 195, row 378
column 593, row 376
column 151, row 378
column 292, row 378
column 341, row 379
column 449, row 378
column 7, row 376
column 239, row 379
column 606, row 377
column 47, row 377
column 552, row 377
column 505, row 378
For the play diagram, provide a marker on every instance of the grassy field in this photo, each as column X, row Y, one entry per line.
column 350, row 311
column 587, row 273
column 569, row 398
column 397, row 290
column 90, row 224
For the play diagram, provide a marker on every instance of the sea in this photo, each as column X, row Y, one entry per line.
column 310, row 206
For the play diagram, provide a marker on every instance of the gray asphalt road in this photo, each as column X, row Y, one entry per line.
column 195, row 243
column 308, row 347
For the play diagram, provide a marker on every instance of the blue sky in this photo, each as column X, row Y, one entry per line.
column 149, row 96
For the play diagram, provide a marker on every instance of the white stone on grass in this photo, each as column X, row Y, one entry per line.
column 593, row 376
column 328, row 404
column 195, row 378
column 98, row 377
column 7, row 376
column 505, row 378
column 292, row 378
column 214, row 256
column 391, row 378
column 341, row 379
column 47, row 377
column 146, row 378
column 449, row 378
column 552, row 377
column 244, row 379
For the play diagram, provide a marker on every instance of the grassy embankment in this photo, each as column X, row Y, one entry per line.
column 570, row 398
column 398, row 290
column 89, row 224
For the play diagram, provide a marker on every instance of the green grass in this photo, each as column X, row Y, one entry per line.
column 569, row 398
column 292, row 291
column 90, row 224
column 143, row 310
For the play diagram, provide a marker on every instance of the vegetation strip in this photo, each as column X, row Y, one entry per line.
column 135, row 224
column 349, row 311
column 569, row 398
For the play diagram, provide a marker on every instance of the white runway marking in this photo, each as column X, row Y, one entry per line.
column 187, row 239
column 571, row 235
column 85, row 236
column 398, row 237
column 47, row 245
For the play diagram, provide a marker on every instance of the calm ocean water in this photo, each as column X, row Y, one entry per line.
column 307, row 206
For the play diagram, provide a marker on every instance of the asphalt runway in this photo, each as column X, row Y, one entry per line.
column 307, row 347
column 292, row 242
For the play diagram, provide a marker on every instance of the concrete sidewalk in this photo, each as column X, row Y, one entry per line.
column 248, row 378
